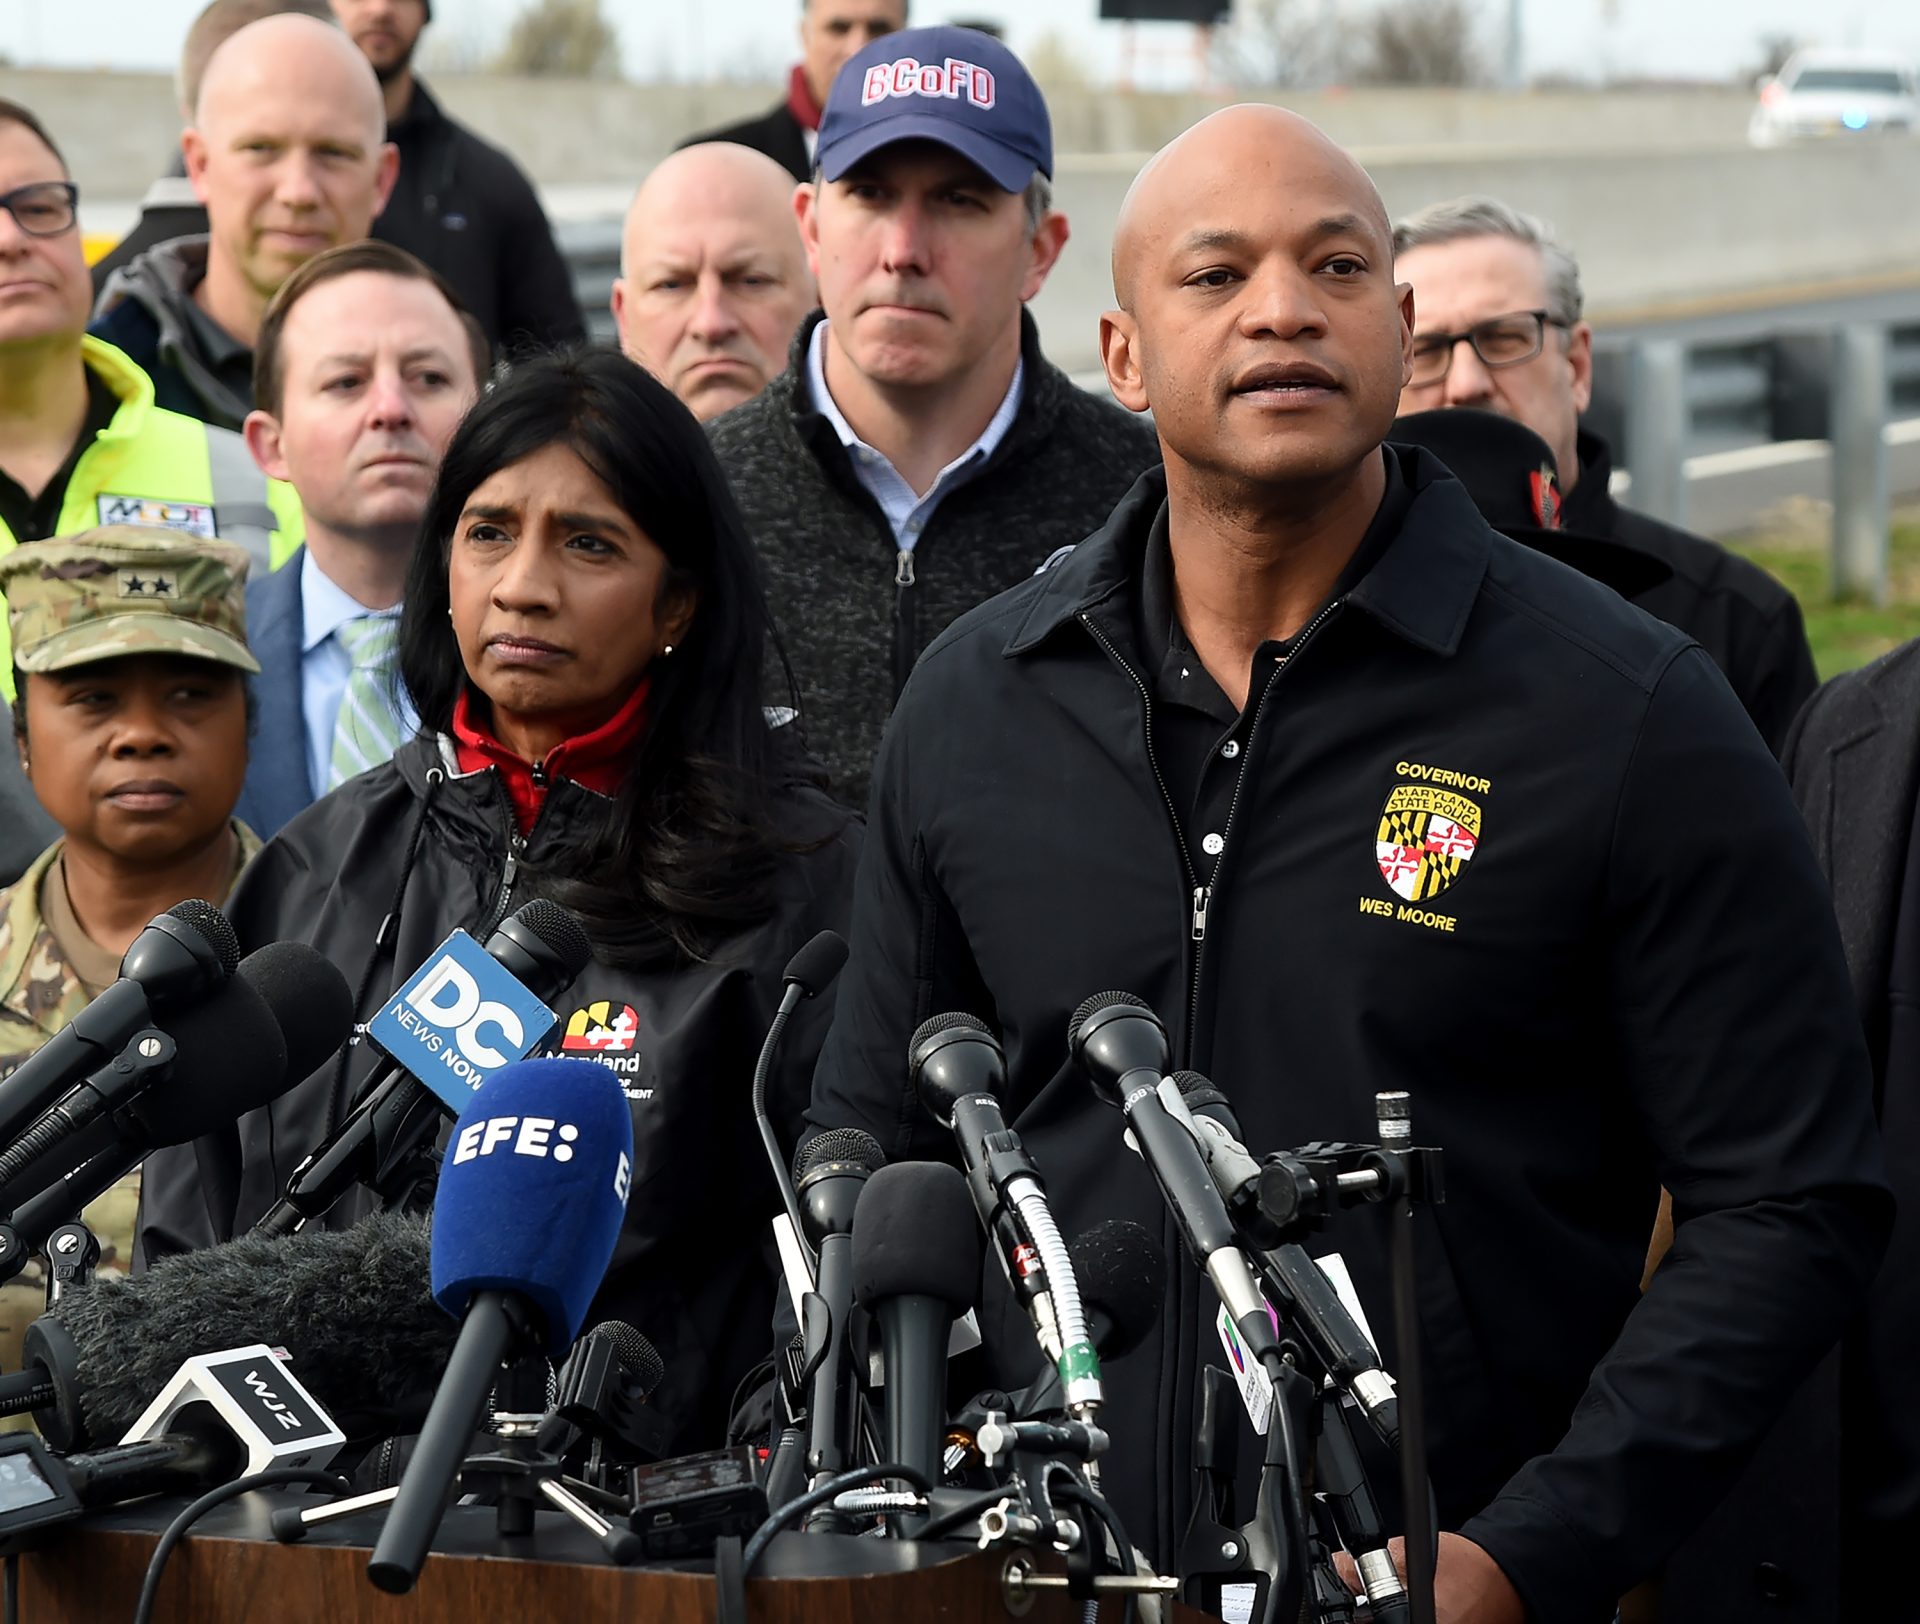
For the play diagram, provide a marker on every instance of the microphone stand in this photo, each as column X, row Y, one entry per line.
column 1298, row 1189
column 519, row 1477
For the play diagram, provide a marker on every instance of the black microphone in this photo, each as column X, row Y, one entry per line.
column 1121, row 1047
column 808, row 974
column 545, row 948
column 196, row 1451
column 602, row 1391
column 829, row 1173
column 283, row 1012
column 1123, row 1280
column 1319, row 1316
column 958, row 1069
column 176, row 960
column 351, row 1307
column 914, row 1273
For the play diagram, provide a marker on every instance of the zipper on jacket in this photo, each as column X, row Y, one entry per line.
column 906, row 620
column 516, row 849
column 538, row 772
column 1201, row 893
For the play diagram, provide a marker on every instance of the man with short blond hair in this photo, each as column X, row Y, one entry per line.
column 288, row 152
column 367, row 362
column 713, row 277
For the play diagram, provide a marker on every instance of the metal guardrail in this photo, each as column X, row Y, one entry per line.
column 1662, row 401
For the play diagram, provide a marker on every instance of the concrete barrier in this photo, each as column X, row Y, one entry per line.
column 1660, row 227
column 1699, row 217
column 118, row 127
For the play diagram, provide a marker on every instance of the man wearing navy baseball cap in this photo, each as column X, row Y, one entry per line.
column 919, row 454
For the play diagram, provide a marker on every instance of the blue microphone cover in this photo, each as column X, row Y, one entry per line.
column 533, row 1192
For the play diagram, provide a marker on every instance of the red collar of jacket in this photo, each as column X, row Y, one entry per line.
column 800, row 102
column 597, row 761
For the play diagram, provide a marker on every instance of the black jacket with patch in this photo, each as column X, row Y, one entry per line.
column 435, row 848
column 1730, row 606
column 1501, row 840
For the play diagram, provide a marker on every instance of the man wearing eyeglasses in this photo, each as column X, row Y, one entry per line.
column 82, row 443
column 1497, row 325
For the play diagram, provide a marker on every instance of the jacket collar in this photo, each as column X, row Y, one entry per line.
column 1589, row 507
column 24, row 930
column 1422, row 587
column 597, row 761
column 1042, row 393
column 422, row 112
column 129, row 382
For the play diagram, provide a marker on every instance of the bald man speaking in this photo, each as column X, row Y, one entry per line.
column 1357, row 795
column 288, row 152
column 713, row 277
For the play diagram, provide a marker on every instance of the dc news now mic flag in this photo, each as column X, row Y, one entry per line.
column 458, row 1019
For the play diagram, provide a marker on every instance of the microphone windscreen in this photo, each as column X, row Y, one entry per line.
column 638, row 1357
column 229, row 1056
column 309, row 997
column 1122, row 1273
column 1199, row 1092
column 816, row 964
column 211, row 923
column 558, row 931
column 533, row 1192
column 1099, row 1000
column 915, row 1233
column 351, row 1307
column 849, row 1145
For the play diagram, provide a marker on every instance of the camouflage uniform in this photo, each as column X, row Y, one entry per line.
column 118, row 590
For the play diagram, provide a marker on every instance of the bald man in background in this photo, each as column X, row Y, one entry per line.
column 1358, row 794
column 288, row 152
column 713, row 276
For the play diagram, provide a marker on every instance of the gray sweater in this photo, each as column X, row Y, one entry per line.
column 852, row 631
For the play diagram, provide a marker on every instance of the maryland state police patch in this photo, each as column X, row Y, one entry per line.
column 1427, row 837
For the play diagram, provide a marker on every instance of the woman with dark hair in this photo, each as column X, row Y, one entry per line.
column 583, row 639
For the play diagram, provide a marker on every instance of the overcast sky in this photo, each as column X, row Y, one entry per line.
column 752, row 38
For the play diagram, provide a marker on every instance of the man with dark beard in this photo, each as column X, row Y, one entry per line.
column 461, row 206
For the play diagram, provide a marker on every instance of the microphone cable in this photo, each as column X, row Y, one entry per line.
column 800, row 1505
column 274, row 1477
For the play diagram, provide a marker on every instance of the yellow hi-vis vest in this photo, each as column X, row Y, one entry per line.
column 153, row 466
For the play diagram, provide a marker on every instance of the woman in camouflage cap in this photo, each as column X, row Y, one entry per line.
column 130, row 715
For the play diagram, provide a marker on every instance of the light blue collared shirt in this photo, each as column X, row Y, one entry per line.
column 325, row 665
column 906, row 513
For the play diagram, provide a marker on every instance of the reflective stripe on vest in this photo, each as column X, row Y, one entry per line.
column 241, row 512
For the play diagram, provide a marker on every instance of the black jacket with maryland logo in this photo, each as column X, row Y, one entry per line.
column 1499, row 839
column 417, row 838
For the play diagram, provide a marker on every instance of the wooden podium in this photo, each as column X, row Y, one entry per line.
column 229, row 1570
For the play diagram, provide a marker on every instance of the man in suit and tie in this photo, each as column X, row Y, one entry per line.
column 1853, row 757
column 365, row 364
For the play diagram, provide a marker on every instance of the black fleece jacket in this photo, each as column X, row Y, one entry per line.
column 852, row 615
column 1501, row 840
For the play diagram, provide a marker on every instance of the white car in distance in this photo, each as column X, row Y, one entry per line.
column 1835, row 94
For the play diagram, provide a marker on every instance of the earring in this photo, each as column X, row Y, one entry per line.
column 666, row 651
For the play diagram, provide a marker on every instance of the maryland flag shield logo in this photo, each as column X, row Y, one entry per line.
column 1426, row 839
column 602, row 1028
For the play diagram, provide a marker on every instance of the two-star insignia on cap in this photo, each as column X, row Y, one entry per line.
column 148, row 586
